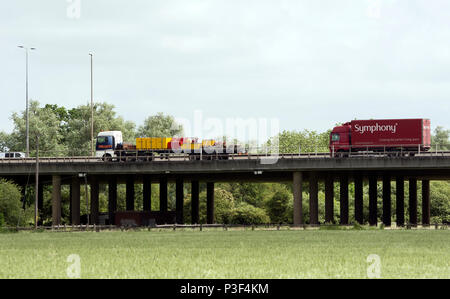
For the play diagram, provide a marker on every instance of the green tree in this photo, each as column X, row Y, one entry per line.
column 252, row 193
column 440, row 202
column 441, row 137
column 277, row 204
column 160, row 125
column 43, row 122
column 78, row 128
column 5, row 141
column 11, row 210
column 307, row 141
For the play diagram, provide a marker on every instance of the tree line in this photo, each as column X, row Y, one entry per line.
column 66, row 132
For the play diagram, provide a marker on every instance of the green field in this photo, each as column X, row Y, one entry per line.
column 227, row 254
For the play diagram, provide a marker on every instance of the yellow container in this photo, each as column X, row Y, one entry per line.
column 208, row 142
column 156, row 143
column 147, row 143
column 139, row 143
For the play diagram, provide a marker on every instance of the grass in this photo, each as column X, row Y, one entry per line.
column 227, row 254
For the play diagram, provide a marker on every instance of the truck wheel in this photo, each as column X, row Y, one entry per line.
column 341, row 154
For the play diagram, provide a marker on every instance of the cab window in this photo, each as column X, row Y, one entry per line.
column 335, row 137
column 104, row 142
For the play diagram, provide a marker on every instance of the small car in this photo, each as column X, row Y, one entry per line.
column 12, row 155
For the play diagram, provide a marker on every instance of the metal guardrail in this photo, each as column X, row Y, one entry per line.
column 200, row 227
column 215, row 157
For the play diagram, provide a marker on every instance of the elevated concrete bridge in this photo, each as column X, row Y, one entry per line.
column 252, row 168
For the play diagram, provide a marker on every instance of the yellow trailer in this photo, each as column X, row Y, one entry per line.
column 153, row 143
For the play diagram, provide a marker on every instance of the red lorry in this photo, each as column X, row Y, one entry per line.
column 407, row 136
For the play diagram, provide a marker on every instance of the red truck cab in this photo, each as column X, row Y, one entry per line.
column 340, row 138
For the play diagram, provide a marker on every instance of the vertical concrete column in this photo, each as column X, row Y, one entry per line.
column 70, row 203
column 209, row 202
column 359, row 199
column 40, row 202
column 373, row 217
column 112, row 199
column 329, row 199
column 163, row 194
column 400, row 200
column 56, row 200
column 313, row 199
column 23, row 194
column 40, row 196
column 425, row 202
column 147, row 193
column 413, row 201
column 195, row 201
column 297, row 190
column 179, row 200
column 387, row 199
column 130, row 193
column 75, row 199
column 343, row 190
column 94, row 200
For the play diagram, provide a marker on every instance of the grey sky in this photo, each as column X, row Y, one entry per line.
column 309, row 63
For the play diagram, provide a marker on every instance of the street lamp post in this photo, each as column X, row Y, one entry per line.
column 92, row 108
column 26, row 95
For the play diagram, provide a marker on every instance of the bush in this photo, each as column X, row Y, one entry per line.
column 224, row 205
column 11, row 210
column 245, row 213
column 277, row 206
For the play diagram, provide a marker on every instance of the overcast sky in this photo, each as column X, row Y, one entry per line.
column 310, row 64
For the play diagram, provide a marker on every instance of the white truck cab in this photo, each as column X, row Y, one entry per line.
column 107, row 142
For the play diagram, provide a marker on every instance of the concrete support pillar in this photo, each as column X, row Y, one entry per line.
column 56, row 200
column 130, row 193
column 23, row 194
column 195, row 201
column 147, row 193
column 112, row 199
column 210, row 203
column 413, row 201
column 40, row 202
column 387, row 199
column 313, row 199
column 179, row 200
column 94, row 200
column 75, row 199
column 373, row 217
column 359, row 199
column 70, row 203
column 343, row 190
column 329, row 199
column 400, row 201
column 297, row 190
column 425, row 202
column 163, row 194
